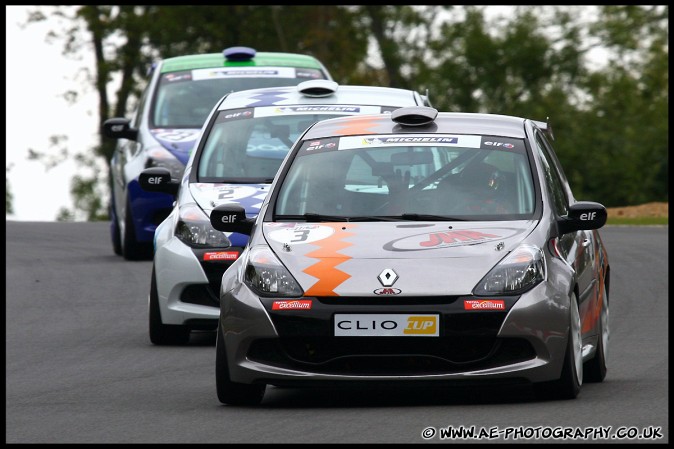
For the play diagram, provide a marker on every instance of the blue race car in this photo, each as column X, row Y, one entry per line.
column 179, row 96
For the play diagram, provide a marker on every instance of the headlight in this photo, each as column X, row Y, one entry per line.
column 267, row 276
column 518, row 272
column 160, row 157
column 195, row 230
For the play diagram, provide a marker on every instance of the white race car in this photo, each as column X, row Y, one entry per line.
column 235, row 159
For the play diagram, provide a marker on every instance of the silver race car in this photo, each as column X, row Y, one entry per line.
column 235, row 159
column 416, row 246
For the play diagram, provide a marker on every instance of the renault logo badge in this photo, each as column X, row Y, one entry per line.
column 388, row 277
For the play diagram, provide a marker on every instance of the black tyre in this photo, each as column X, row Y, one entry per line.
column 229, row 392
column 595, row 369
column 160, row 333
column 114, row 230
column 569, row 383
column 132, row 249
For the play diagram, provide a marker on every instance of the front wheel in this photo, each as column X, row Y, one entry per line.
column 160, row 333
column 569, row 383
column 132, row 249
column 114, row 230
column 229, row 392
column 595, row 369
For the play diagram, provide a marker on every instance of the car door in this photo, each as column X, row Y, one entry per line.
column 578, row 246
column 124, row 151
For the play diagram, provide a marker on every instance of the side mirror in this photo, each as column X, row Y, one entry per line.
column 231, row 218
column 583, row 215
column 157, row 179
column 119, row 128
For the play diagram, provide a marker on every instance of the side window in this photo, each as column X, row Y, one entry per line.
column 553, row 179
column 547, row 147
column 139, row 110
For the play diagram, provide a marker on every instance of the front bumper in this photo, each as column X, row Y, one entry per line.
column 525, row 341
column 148, row 210
column 188, row 283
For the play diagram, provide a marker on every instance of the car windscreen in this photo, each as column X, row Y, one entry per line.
column 184, row 99
column 249, row 144
column 412, row 176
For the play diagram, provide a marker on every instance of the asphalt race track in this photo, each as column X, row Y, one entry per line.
column 80, row 367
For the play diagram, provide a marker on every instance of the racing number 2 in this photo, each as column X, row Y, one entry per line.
column 225, row 193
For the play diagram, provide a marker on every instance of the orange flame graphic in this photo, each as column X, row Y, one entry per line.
column 357, row 125
column 329, row 277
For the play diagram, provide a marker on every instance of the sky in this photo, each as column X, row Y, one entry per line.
column 37, row 75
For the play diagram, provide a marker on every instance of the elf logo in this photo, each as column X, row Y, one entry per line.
column 500, row 144
column 235, row 115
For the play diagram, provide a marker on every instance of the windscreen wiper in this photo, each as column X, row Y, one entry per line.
column 242, row 180
column 428, row 217
column 312, row 217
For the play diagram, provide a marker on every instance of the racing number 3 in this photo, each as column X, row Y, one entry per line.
column 300, row 235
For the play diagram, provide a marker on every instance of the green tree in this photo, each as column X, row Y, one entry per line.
column 126, row 39
column 618, row 150
column 611, row 121
column 329, row 32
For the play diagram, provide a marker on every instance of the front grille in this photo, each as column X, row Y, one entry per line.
column 214, row 272
column 201, row 294
column 387, row 301
column 214, row 269
column 202, row 324
column 318, row 322
column 389, row 355
column 467, row 339
column 160, row 215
